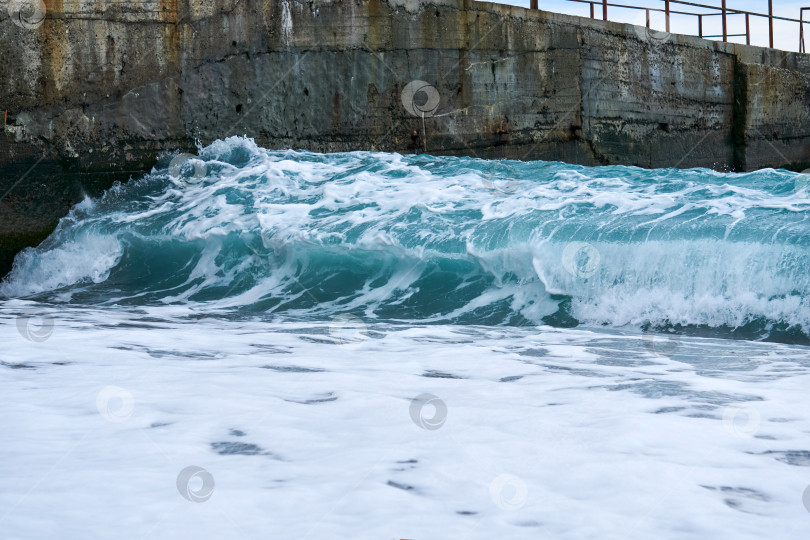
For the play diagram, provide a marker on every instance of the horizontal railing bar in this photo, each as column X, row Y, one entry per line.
column 721, row 11
column 598, row 3
column 729, row 11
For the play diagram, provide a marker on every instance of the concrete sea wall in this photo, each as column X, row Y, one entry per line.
column 93, row 92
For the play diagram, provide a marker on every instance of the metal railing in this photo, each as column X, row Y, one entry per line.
column 722, row 11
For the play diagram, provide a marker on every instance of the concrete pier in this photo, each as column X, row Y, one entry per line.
column 93, row 92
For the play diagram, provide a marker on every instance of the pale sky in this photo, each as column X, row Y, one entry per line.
column 786, row 34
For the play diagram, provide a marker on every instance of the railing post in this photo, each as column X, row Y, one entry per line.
column 533, row 4
column 593, row 16
column 747, row 30
column 604, row 10
column 648, row 17
column 666, row 9
column 725, row 28
column 770, row 20
column 700, row 25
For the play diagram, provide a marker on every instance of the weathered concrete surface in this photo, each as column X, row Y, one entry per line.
column 100, row 89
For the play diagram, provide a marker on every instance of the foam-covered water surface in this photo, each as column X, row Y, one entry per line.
column 286, row 344
column 305, row 432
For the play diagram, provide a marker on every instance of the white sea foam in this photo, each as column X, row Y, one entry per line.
column 89, row 257
column 548, row 433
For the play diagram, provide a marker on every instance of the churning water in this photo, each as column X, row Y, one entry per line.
column 372, row 345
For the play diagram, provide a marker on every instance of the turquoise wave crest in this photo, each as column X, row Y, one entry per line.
column 243, row 230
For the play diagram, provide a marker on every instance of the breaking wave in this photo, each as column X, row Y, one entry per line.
column 244, row 230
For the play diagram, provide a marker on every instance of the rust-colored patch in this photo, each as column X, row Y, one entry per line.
column 54, row 51
column 169, row 10
column 498, row 130
column 335, row 111
column 374, row 24
column 170, row 14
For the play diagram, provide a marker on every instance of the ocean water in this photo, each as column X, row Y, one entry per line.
column 284, row 344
